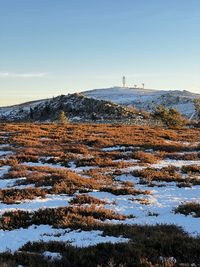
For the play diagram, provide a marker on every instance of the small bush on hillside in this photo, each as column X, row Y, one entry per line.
column 169, row 117
column 145, row 157
column 62, row 118
column 191, row 169
column 189, row 208
column 87, row 199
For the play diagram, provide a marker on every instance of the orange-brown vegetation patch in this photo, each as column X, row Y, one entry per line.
column 167, row 174
column 87, row 199
column 191, row 169
column 14, row 195
column 85, row 217
column 145, row 157
column 182, row 156
column 82, row 144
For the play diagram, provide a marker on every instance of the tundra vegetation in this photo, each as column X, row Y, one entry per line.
column 136, row 188
column 170, row 118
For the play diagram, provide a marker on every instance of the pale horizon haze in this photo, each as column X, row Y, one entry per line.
column 49, row 47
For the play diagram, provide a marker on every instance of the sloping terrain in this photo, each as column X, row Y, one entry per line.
column 19, row 112
column 147, row 99
column 87, row 195
column 76, row 106
column 121, row 104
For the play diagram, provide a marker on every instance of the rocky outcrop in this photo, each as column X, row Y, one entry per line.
column 77, row 107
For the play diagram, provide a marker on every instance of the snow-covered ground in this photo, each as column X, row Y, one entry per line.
column 140, row 98
column 13, row 240
column 147, row 98
column 50, row 201
column 12, row 111
column 160, row 207
column 157, row 208
column 122, row 95
column 4, row 170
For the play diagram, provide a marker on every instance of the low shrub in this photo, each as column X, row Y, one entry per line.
column 189, row 208
column 145, row 157
column 167, row 174
column 191, row 169
column 87, row 199
column 12, row 196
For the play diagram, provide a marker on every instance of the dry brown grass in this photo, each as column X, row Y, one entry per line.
column 112, row 135
column 82, row 144
column 84, row 217
column 182, row 156
column 12, row 196
column 167, row 174
column 145, row 157
column 191, row 169
column 86, row 199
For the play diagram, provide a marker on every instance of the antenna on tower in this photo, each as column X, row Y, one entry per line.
column 124, row 81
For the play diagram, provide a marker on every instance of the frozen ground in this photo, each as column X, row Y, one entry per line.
column 159, row 208
column 50, row 201
column 146, row 98
column 13, row 240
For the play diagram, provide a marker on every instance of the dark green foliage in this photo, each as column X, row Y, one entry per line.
column 169, row 117
column 146, row 242
column 31, row 113
column 189, row 208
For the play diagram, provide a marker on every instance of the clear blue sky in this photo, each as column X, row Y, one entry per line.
column 49, row 47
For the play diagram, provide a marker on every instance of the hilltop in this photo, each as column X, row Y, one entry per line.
column 109, row 104
column 77, row 107
column 147, row 99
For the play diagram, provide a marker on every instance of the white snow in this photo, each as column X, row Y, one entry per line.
column 159, row 208
column 163, row 201
column 40, row 164
column 5, row 153
column 15, row 110
column 113, row 148
column 176, row 163
column 4, row 170
column 129, row 96
column 147, row 98
column 50, row 201
column 7, row 183
column 72, row 167
column 52, row 256
column 13, row 240
column 121, row 95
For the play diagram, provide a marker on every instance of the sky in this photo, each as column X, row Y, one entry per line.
column 53, row 47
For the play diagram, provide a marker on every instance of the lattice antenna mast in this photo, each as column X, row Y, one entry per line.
column 124, row 81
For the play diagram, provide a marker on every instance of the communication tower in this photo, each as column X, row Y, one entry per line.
column 124, row 81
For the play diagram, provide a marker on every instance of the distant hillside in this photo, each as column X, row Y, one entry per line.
column 147, row 99
column 20, row 111
column 109, row 104
column 77, row 107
